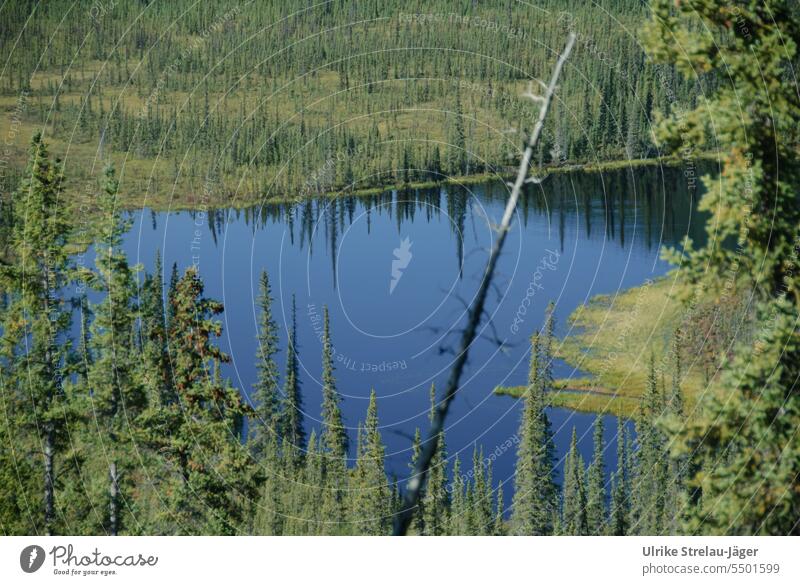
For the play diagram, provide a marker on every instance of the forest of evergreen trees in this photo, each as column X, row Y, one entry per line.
column 282, row 97
column 129, row 426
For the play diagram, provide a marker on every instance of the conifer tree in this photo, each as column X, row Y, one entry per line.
column 212, row 482
column 333, row 435
column 675, row 402
column 36, row 322
column 419, row 515
column 171, row 291
column 470, row 523
column 435, row 499
column 457, row 147
column 499, row 519
column 481, row 509
column 84, row 356
column 266, row 386
column 153, row 333
column 676, row 466
column 292, row 431
column 620, row 499
column 650, row 478
column 596, row 490
column 333, row 438
column 573, row 505
column 548, row 355
column 534, row 487
column 118, row 395
column 752, row 414
column 270, row 513
column 458, row 509
column 371, row 490
column 313, row 489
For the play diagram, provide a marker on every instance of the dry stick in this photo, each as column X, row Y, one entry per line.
column 420, row 475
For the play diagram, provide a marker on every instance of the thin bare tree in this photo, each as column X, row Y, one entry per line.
column 418, row 479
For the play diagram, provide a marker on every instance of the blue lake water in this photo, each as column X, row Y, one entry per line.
column 393, row 328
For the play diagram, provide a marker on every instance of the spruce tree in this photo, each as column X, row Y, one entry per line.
column 292, row 428
column 481, row 508
column 548, row 344
column 752, row 413
column 677, row 465
column 416, row 450
column 333, row 439
column 458, row 525
column 36, row 324
column 266, row 386
column 596, row 490
column 310, row 516
column 499, row 519
column 675, row 402
column 620, row 498
column 573, row 505
column 333, row 435
column 435, row 499
column 118, row 394
column 650, row 477
column 270, row 513
column 534, row 487
column 153, row 338
column 371, row 490
column 171, row 291
column 212, row 479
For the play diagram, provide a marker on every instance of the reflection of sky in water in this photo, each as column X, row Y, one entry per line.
column 586, row 234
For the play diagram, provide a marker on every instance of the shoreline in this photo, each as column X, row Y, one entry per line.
column 465, row 180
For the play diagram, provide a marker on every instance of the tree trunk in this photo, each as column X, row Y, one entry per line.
column 49, row 507
column 113, row 508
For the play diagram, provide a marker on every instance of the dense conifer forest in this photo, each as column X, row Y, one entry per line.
column 260, row 99
column 115, row 415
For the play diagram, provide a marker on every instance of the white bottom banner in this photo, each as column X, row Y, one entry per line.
column 356, row 560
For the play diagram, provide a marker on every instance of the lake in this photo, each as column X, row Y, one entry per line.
column 397, row 271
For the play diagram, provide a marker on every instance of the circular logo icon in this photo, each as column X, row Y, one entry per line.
column 31, row 558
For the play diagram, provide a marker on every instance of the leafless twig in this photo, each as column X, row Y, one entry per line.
column 420, row 475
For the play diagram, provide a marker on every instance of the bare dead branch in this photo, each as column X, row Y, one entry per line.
column 418, row 479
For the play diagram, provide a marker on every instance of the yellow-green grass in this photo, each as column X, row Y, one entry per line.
column 581, row 401
column 317, row 99
column 611, row 340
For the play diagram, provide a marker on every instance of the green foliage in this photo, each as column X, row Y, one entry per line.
column 333, row 440
column 163, row 448
column 619, row 521
column 534, row 487
column 435, row 500
column 746, row 459
column 596, row 485
column 371, row 512
column 211, row 478
column 268, row 107
column 650, row 474
column 116, row 389
column 573, row 500
column 157, row 372
column 266, row 386
column 292, row 417
column 39, row 406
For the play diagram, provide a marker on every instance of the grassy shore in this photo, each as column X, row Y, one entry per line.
column 151, row 181
column 612, row 339
column 248, row 199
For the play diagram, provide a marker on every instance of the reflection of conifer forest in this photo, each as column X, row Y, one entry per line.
column 116, row 416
